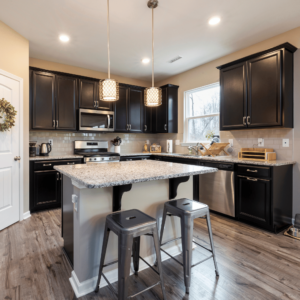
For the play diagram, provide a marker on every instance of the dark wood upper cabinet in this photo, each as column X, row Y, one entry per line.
column 121, row 115
column 257, row 91
column 88, row 93
column 148, row 128
column 43, row 100
column 66, row 102
column 135, row 110
column 166, row 115
column 233, row 94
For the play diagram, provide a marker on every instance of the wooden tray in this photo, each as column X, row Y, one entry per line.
column 257, row 154
column 214, row 149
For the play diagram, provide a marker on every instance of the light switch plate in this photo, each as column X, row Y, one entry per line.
column 285, row 142
column 50, row 141
column 230, row 141
column 177, row 142
column 261, row 142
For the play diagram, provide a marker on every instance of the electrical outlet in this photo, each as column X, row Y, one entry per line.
column 261, row 142
column 230, row 141
column 285, row 142
column 50, row 141
column 177, row 142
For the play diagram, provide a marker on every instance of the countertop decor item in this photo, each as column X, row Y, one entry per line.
column 258, row 154
column 7, row 115
column 213, row 149
column 117, row 142
column 153, row 95
column 109, row 88
column 145, row 148
column 169, row 146
column 45, row 149
column 154, row 148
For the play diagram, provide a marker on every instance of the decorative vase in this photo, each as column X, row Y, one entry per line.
column 117, row 149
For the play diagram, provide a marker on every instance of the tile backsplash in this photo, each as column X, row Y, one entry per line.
column 133, row 143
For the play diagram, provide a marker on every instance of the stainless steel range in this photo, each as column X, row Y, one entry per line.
column 95, row 152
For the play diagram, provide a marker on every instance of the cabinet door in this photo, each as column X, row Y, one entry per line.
column 147, row 119
column 121, row 119
column 43, row 100
column 264, row 90
column 103, row 105
column 254, row 200
column 233, row 109
column 46, row 189
column 88, row 93
column 66, row 102
column 135, row 110
column 162, row 113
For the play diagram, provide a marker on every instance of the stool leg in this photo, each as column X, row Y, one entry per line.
column 187, row 226
column 212, row 242
column 104, row 246
column 163, row 224
column 124, row 260
column 136, row 254
column 158, row 261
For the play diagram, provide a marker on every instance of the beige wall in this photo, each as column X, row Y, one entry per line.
column 48, row 65
column 14, row 58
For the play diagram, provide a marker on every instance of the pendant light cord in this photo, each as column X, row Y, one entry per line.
column 152, row 47
column 108, row 39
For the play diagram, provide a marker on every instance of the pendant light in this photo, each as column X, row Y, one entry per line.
column 109, row 88
column 153, row 95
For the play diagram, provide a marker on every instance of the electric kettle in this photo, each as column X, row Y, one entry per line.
column 45, row 149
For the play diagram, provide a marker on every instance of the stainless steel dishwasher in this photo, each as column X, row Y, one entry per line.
column 217, row 189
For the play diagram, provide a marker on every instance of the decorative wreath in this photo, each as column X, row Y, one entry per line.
column 7, row 115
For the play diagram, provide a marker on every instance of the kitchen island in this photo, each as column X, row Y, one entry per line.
column 92, row 191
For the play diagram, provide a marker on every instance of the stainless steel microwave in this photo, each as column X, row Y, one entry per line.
column 96, row 120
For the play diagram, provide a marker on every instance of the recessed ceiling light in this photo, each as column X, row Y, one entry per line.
column 64, row 38
column 145, row 60
column 214, row 21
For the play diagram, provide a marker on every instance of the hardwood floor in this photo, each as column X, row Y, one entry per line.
column 253, row 264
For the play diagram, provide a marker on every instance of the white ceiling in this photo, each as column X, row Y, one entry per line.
column 181, row 28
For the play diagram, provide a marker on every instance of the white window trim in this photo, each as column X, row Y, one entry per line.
column 186, row 108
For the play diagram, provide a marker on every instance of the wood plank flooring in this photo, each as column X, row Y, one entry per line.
column 253, row 263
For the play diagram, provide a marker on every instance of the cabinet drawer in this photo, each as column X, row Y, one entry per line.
column 254, row 171
column 48, row 164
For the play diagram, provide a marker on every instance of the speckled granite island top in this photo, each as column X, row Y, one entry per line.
column 121, row 173
column 54, row 157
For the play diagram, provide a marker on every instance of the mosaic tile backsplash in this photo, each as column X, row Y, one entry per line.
column 63, row 142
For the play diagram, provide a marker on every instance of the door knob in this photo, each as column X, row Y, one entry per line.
column 17, row 158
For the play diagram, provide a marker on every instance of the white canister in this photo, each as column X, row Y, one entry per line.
column 169, row 146
column 117, row 149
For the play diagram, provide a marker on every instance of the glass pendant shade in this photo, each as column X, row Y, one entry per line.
column 153, row 96
column 109, row 90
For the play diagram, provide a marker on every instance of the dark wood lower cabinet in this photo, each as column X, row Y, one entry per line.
column 46, row 184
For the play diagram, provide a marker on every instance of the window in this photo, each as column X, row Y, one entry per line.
column 202, row 110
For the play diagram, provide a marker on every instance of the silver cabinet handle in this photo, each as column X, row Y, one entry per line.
column 17, row 158
column 128, row 159
column 165, row 126
column 53, row 123
column 244, row 121
column 56, row 123
column 129, row 126
column 145, row 127
column 253, row 171
column 71, row 163
column 248, row 120
column 251, row 179
column 57, row 176
column 108, row 121
column 95, row 104
column 47, row 165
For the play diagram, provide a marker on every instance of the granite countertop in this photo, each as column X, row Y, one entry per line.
column 231, row 159
column 50, row 157
column 121, row 173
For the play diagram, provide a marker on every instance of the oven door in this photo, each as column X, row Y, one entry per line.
column 95, row 120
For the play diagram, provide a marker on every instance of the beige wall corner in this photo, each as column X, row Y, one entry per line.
column 48, row 65
column 14, row 58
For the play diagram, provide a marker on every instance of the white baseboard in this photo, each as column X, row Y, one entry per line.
column 26, row 215
column 88, row 286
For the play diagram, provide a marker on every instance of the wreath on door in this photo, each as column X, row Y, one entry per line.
column 7, row 115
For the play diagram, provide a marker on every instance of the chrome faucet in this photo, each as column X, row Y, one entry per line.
column 195, row 148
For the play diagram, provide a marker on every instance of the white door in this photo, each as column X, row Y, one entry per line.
column 9, row 149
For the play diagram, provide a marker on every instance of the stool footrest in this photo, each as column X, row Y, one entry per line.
column 110, row 286
column 145, row 290
column 170, row 241
column 171, row 256
column 201, row 261
column 149, row 265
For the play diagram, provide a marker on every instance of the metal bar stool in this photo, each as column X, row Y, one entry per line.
column 188, row 210
column 129, row 226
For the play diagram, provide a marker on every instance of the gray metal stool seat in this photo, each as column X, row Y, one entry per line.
column 129, row 226
column 188, row 210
